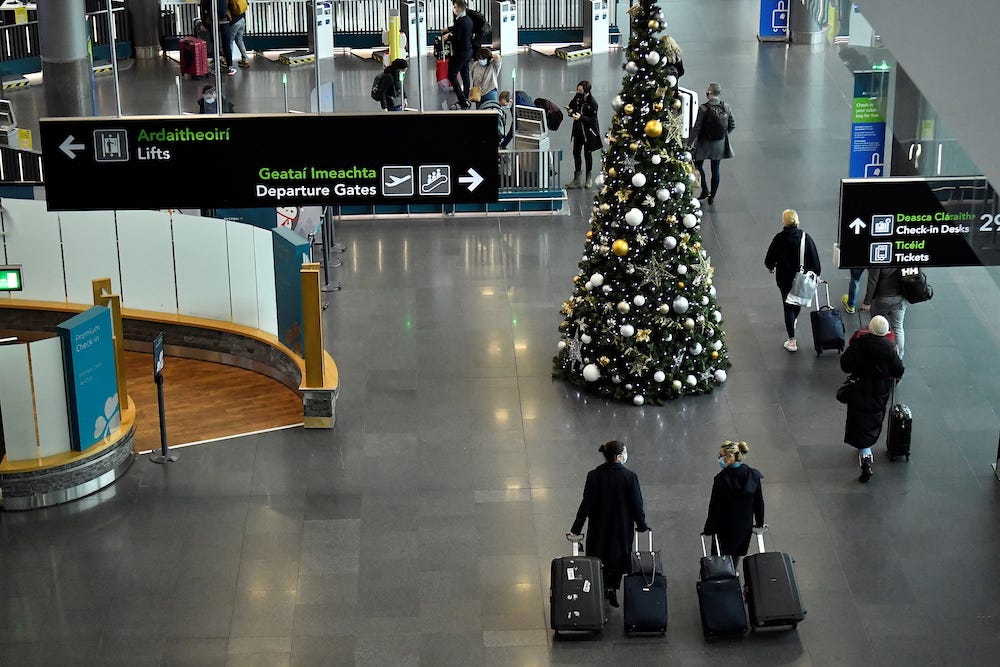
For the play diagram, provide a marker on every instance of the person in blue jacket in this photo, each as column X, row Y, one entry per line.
column 612, row 507
column 737, row 503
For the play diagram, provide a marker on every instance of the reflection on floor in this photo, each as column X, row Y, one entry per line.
column 205, row 400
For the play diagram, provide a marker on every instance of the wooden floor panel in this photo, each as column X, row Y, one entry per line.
column 205, row 400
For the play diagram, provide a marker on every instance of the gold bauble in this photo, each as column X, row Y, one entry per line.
column 708, row 281
column 604, row 361
column 714, row 355
column 612, row 172
column 681, row 285
column 633, row 146
column 697, row 245
column 605, row 208
column 676, row 104
column 629, row 109
column 657, row 106
column 653, row 24
column 620, row 247
column 672, row 219
column 590, row 234
column 576, row 279
column 654, row 128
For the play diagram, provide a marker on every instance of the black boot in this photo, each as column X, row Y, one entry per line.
column 866, row 469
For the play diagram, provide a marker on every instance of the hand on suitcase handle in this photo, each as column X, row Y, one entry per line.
column 573, row 537
column 760, row 530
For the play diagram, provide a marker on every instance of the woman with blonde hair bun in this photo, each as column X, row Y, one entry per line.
column 737, row 503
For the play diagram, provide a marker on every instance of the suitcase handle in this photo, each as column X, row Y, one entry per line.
column 635, row 541
column 576, row 540
column 704, row 551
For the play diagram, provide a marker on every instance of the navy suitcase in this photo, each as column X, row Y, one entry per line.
column 576, row 593
column 720, row 601
column 771, row 590
column 827, row 326
column 645, row 592
column 897, row 440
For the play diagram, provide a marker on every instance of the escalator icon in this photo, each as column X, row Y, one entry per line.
column 435, row 180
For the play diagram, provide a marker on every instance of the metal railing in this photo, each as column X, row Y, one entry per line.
column 20, row 167
column 20, row 40
column 530, row 171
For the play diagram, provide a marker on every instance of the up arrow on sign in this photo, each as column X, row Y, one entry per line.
column 473, row 179
column 857, row 225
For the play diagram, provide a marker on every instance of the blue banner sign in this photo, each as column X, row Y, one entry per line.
column 773, row 20
column 91, row 381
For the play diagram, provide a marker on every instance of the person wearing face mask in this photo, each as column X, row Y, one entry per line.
column 612, row 507
column 736, row 507
column 485, row 76
column 208, row 102
column 586, row 134
column 508, row 117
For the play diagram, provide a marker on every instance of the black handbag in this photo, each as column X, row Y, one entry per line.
column 848, row 389
column 646, row 563
column 716, row 567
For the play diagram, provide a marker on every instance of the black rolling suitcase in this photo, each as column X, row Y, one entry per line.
column 720, row 597
column 576, row 593
column 897, row 440
column 827, row 326
column 771, row 590
column 645, row 592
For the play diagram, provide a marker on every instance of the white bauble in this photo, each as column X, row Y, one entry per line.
column 634, row 217
column 704, row 300
column 696, row 205
column 691, row 380
column 671, row 80
column 616, row 379
column 656, row 159
column 696, row 348
column 627, row 330
column 588, row 285
column 676, row 384
column 679, row 187
column 663, row 194
column 599, row 181
column 585, row 339
column 606, row 289
column 639, row 300
column 681, row 269
column 623, row 307
column 663, row 309
column 688, row 324
column 591, row 373
column 669, row 337
column 692, row 178
column 680, row 305
column 628, row 387
column 717, row 345
column 597, row 280
column 618, row 103
column 712, row 291
column 720, row 375
column 689, row 221
column 686, row 156
column 639, row 180
column 561, row 345
column 670, row 243
column 659, row 376
column 638, row 400
column 652, row 58
column 701, row 318
column 631, row 67
column 717, row 316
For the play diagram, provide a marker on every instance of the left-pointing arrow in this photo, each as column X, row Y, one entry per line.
column 68, row 147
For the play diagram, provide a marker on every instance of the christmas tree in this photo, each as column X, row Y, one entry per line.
column 642, row 324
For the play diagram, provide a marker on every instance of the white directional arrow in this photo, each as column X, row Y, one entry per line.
column 473, row 179
column 857, row 225
column 68, row 147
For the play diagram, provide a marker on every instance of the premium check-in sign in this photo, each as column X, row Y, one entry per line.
column 918, row 222
column 242, row 161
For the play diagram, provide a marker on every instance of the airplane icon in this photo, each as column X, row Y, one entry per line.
column 395, row 180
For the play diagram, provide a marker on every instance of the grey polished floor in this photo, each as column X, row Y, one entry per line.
column 420, row 530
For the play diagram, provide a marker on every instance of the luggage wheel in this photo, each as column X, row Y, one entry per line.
column 819, row 352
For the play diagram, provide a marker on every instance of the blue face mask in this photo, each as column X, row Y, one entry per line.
column 722, row 462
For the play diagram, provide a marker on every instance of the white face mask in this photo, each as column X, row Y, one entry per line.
column 482, row 63
column 210, row 99
column 624, row 456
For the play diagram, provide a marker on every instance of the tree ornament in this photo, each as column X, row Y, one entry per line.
column 681, row 269
column 654, row 128
column 657, row 106
column 652, row 57
column 628, row 387
column 720, row 376
column 717, row 316
column 663, row 194
column 634, row 217
column 599, row 181
column 676, row 104
column 686, row 156
column 676, row 384
column 672, row 219
column 588, row 286
column 670, row 243
column 689, row 324
column 700, row 318
column 606, row 289
column 653, row 24
column 629, row 108
column 671, row 80
column 622, row 307
column 696, row 348
column 638, row 180
column 679, row 187
column 680, row 305
column 638, row 399
column 597, row 280
column 715, row 354
column 576, row 279
column 680, row 284
column 612, row 172
column 585, row 339
column 631, row 68
column 627, row 330
column 618, row 103
column 716, row 345
column 663, row 309
column 704, row 300
column 689, row 221
column 590, row 234
column 620, row 247
column 639, row 300
column 561, row 345
column 659, row 376
column 605, row 207
column 615, row 379
column 604, row 361
column 691, row 380
column 591, row 373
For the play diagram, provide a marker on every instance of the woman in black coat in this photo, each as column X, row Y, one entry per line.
column 783, row 261
column 874, row 365
column 586, row 134
column 737, row 502
column 612, row 506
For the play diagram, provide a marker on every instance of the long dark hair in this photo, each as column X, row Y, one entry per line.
column 611, row 449
column 586, row 91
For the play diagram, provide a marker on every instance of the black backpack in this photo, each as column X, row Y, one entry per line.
column 714, row 123
column 377, row 84
column 913, row 285
column 482, row 31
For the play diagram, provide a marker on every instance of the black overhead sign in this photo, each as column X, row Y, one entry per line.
column 918, row 222
column 242, row 161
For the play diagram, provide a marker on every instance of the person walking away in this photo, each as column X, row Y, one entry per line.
column 674, row 66
column 612, row 507
column 782, row 259
column 392, row 91
column 224, row 32
column 710, row 139
column 238, row 22
column 884, row 296
column 586, row 134
column 874, row 365
column 460, row 35
column 850, row 300
column 485, row 76
column 736, row 506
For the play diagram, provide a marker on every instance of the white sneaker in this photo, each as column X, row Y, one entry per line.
column 791, row 345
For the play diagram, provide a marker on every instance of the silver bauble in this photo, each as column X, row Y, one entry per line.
column 670, row 243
